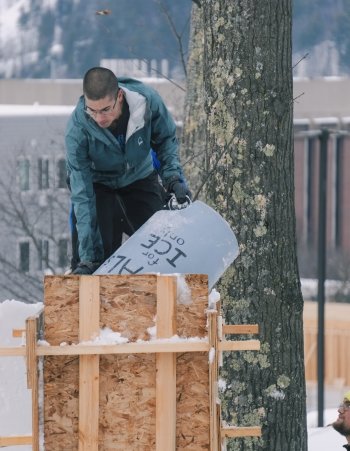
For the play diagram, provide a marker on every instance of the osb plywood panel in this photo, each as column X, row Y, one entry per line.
column 127, row 382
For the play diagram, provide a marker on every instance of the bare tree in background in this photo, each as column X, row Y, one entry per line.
column 239, row 123
column 39, row 218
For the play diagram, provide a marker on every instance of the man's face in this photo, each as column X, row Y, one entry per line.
column 105, row 111
column 342, row 424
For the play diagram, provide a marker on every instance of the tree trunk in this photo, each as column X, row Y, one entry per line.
column 193, row 147
column 249, row 108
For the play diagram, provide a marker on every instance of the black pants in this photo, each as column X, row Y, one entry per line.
column 123, row 210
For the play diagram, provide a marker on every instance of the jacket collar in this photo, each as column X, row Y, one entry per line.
column 137, row 108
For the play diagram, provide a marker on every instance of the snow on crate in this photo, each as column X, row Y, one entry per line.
column 213, row 299
column 106, row 337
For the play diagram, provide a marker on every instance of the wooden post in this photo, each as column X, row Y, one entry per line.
column 89, row 326
column 213, row 381
column 166, row 366
column 32, row 377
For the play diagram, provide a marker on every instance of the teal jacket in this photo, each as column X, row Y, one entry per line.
column 94, row 155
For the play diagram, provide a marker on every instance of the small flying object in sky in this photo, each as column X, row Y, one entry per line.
column 103, row 12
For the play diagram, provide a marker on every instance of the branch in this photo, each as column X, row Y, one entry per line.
column 132, row 52
column 164, row 76
column 175, row 33
column 297, row 97
column 301, row 59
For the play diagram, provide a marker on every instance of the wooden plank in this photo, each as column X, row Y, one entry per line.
column 18, row 333
column 243, row 345
column 240, row 329
column 32, row 376
column 13, row 351
column 89, row 327
column 30, row 350
column 166, row 366
column 134, row 348
column 16, row 440
column 213, row 384
column 127, row 348
column 249, row 431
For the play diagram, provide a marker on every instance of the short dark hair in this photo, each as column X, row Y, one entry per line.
column 99, row 82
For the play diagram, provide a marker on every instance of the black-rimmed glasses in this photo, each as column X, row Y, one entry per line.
column 104, row 112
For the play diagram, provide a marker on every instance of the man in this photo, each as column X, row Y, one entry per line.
column 114, row 186
column 342, row 424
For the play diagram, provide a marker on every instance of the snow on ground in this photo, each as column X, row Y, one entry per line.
column 309, row 288
column 325, row 439
column 15, row 412
column 15, row 400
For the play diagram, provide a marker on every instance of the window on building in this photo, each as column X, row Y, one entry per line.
column 24, row 256
column 43, row 173
column 23, row 170
column 61, row 174
column 62, row 253
column 43, row 254
column 338, row 201
column 311, row 190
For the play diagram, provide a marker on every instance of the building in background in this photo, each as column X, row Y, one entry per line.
column 34, row 200
column 323, row 104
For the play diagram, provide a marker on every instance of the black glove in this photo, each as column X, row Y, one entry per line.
column 86, row 268
column 179, row 188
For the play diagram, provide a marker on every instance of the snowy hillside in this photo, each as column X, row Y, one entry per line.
column 51, row 39
column 61, row 39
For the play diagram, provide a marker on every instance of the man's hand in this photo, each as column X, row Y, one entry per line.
column 86, row 268
column 179, row 188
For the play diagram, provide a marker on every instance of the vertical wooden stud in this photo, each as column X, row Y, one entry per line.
column 89, row 326
column 213, row 381
column 166, row 366
column 32, row 377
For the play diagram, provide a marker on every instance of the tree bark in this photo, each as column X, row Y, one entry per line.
column 193, row 147
column 250, row 181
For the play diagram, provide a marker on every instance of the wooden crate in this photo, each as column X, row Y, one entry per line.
column 147, row 394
